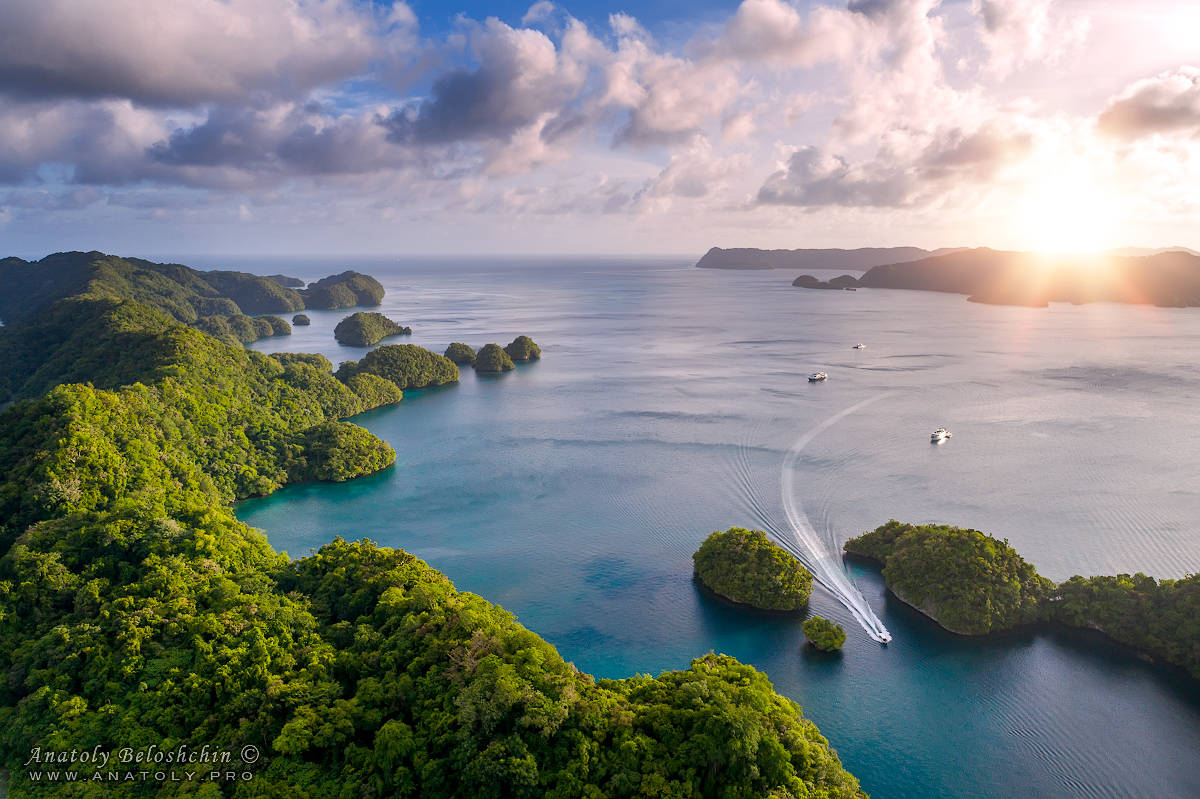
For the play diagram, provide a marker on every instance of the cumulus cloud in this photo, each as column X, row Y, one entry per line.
column 1168, row 103
column 520, row 76
column 899, row 176
column 1017, row 32
column 179, row 53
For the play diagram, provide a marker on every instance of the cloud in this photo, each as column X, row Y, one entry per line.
column 1166, row 104
column 899, row 176
column 1018, row 32
column 179, row 53
column 521, row 75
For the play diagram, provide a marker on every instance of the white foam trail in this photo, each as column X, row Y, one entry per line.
column 810, row 548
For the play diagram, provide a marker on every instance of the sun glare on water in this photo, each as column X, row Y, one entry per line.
column 1069, row 214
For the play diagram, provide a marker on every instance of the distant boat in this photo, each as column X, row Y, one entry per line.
column 884, row 637
column 817, row 377
column 939, row 435
column 859, row 347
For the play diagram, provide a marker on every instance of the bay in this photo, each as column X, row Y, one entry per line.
column 574, row 490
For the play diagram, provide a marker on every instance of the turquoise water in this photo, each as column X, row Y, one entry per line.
column 574, row 490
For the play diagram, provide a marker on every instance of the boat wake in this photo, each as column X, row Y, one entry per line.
column 820, row 554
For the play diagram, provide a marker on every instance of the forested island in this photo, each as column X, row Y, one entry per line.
column 1168, row 278
column 746, row 567
column 973, row 584
column 226, row 305
column 366, row 329
column 136, row 608
column 492, row 358
column 861, row 258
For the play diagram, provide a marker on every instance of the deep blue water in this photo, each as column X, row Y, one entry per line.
column 574, row 491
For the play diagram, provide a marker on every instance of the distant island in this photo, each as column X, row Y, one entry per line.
column 862, row 258
column 1169, row 278
column 493, row 358
column 746, row 567
column 366, row 329
column 973, row 584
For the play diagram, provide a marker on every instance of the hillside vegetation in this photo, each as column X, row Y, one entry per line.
column 366, row 329
column 747, row 567
column 972, row 583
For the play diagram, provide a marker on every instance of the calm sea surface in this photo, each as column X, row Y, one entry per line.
column 574, row 491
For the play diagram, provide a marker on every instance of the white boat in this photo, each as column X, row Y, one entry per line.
column 939, row 435
column 859, row 347
column 817, row 377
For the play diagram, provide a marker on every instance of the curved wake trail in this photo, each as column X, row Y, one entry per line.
column 812, row 549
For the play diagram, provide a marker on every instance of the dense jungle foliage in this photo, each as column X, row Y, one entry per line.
column 491, row 358
column 406, row 365
column 301, row 320
column 135, row 609
column 824, row 634
column 366, row 329
column 522, row 348
column 346, row 290
column 970, row 582
column 747, row 567
column 459, row 353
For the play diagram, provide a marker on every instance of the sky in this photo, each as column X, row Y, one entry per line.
column 326, row 127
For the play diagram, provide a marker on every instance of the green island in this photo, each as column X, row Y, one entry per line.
column 824, row 634
column 406, row 365
column 973, row 584
column 136, row 608
column 301, row 320
column 522, row 348
column 746, row 567
column 460, row 354
column 366, row 329
column 491, row 358
column 346, row 290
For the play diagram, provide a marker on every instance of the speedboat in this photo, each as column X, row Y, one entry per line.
column 940, row 435
column 859, row 347
column 817, row 377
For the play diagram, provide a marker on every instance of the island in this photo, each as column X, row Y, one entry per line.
column 973, row 584
column 460, row 354
column 301, row 320
column 491, row 358
column 522, row 348
column 366, row 329
column 405, row 365
column 345, row 290
column 137, row 608
column 823, row 634
column 236, row 307
column 1168, row 278
column 746, row 567
column 861, row 258
column 840, row 283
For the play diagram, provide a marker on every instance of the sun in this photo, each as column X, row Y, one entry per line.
column 1069, row 213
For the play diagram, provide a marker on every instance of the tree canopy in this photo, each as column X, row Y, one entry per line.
column 460, row 353
column 824, row 634
column 747, row 567
column 366, row 329
column 406, row 365
column 491, row 358
column 522, row 348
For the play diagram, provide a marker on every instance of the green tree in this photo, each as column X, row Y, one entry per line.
column 824, row 634
column 747, row 567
